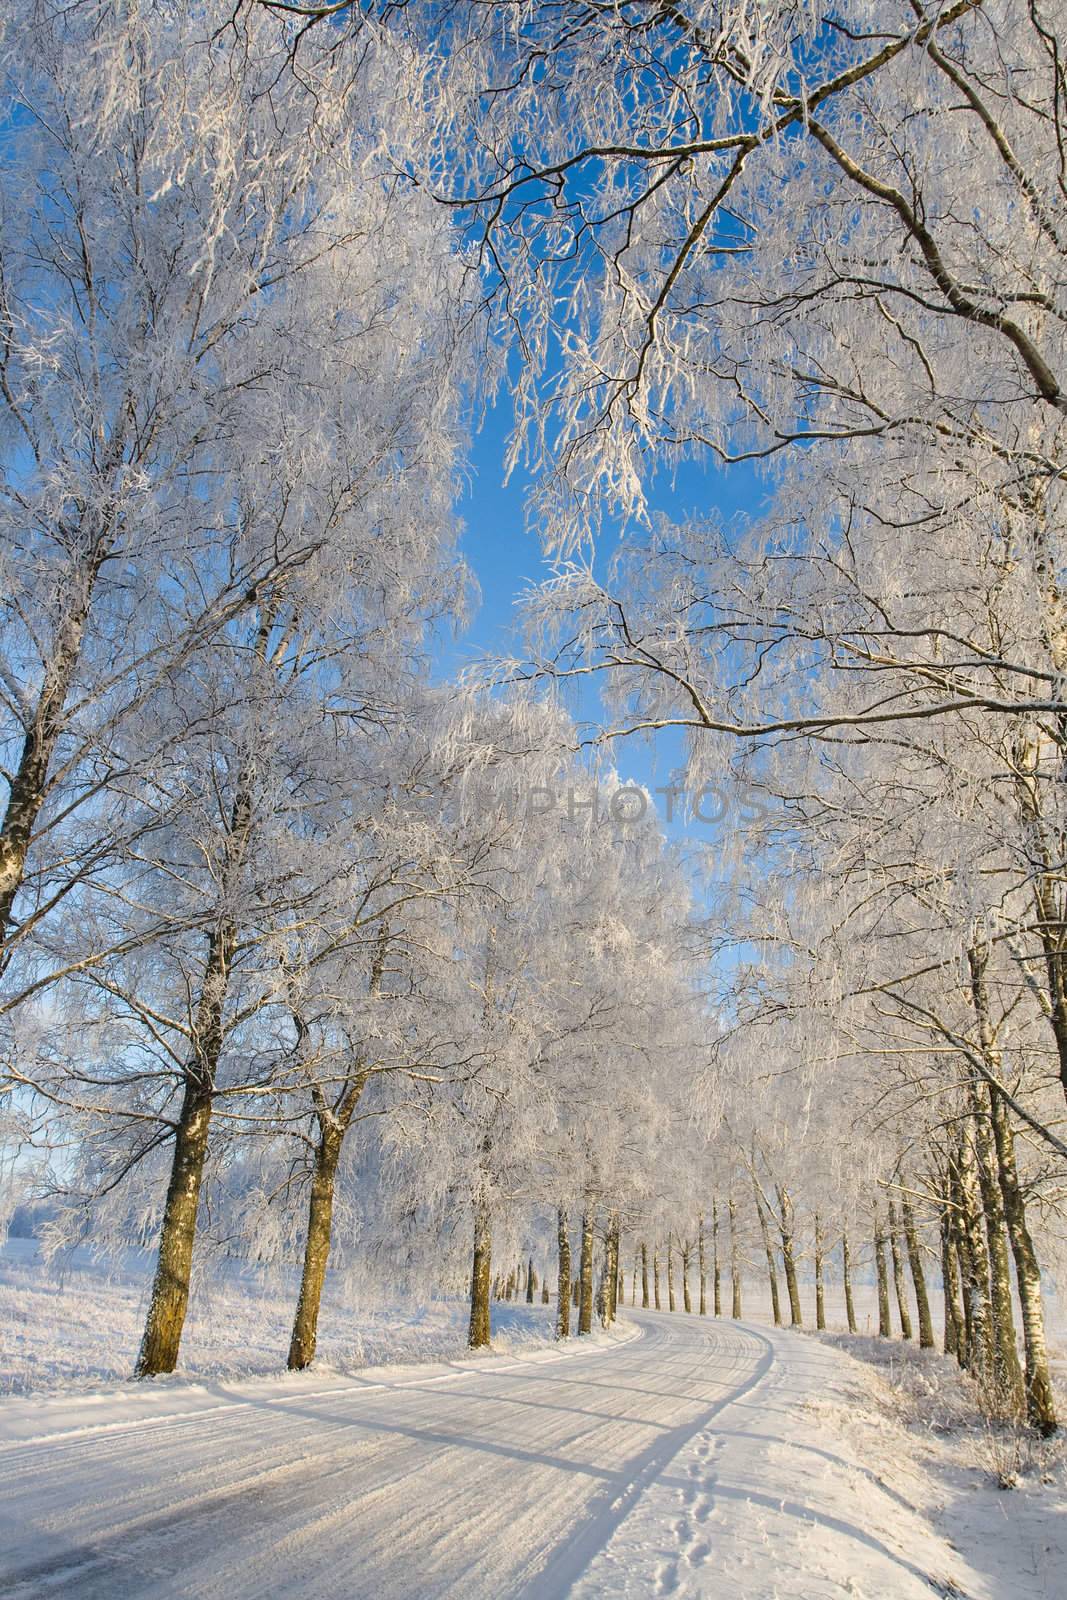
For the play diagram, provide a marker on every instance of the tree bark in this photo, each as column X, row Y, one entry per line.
column 611, row 1269
column 1007, row 1371
column 820, row 1294
column 885, row 1327
column 644, row 1276
column 1040, row 1404
column 316, row 1251
column 655, row 1276
column 563, row 1286
column 974, row 1256
column 846, row 1279
column 670, row 1273
column 954, row 1326
column 585, row 1275
column 530, row 1282
column 686, row 1251
column 170, row 1289
column 918, row 1277
column 716, row 1272
column 1047, row 877
column 735, row 1262
column 786, row 1228
column 772, row 1270
column 966, row 1339
column 29, row 782
column 900, row 1287
column 333, row 1124
column 481, row 1332
column 702, row 1267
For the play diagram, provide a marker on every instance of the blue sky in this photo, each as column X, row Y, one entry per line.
column 505, row 556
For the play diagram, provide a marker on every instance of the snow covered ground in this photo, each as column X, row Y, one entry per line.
column 694, row 1459
column 79, row 1323
column 682, row 1457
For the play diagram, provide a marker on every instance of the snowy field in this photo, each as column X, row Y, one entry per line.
column 679, row 1456
column 79, row 1322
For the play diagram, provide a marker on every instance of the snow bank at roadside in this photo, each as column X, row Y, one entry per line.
column 994, row 1490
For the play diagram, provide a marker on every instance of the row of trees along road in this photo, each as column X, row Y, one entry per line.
column 263, row 886
column 260, row 887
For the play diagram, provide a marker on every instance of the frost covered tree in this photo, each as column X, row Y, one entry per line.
column 736, row 230
column 182, row 255
column 231, row 429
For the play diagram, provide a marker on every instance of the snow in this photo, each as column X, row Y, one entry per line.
column 676, row 1456
column 80, row 1323
column 682, row 1457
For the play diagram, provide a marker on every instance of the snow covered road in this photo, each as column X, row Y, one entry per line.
column 680, row 1462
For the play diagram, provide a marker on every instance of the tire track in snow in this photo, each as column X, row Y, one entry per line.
column 612, row 1506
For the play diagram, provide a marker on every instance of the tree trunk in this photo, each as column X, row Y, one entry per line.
column 735, row 1262
column 772, row 1270
column 885, row 1327
column 1047, row 878
column 609, row 1287
column 820, row 1295
column 1007, row 1371
column 170, row 1290
column 702, row 1267
column 316, row 1251
column 918, row 1277
column 481, row 1332
column 716, row 1273
column 974, row 1256
column 28, row 785
column 966, row 1342
column 846, row 1279
column 686, row 1250
column 954, row 1327
column 655, row 1276
column 563, row 1287
column 900, row 1287
column 1040, row 1405
column 530, row 1282
column 333, row 1126
column 585, row 1275
column 670, row 1273
column 644, row 1276
column 1005, row 1351
column 785, row 1210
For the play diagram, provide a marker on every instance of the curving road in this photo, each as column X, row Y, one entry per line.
column 638, row 1468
